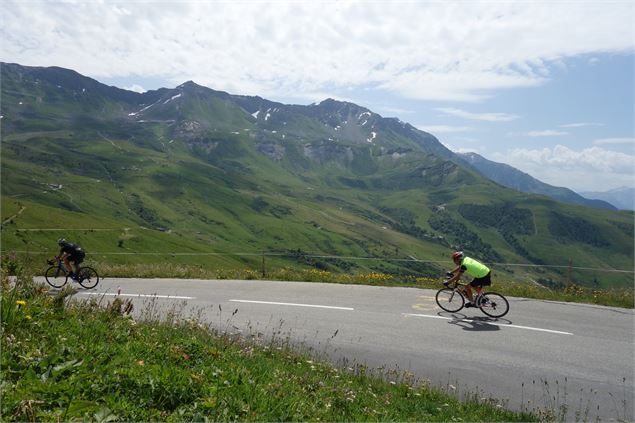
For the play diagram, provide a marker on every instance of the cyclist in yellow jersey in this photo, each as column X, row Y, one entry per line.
column 481, row 274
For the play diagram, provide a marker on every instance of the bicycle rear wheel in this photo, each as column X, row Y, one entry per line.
column 450, row 300
column 55, row 277
column 88, row 277
column 493, row 304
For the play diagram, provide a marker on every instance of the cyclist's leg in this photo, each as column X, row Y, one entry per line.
column 77, row 260
column 67, row 264
column 479, row 289
column 479, row 283
column 468, row 292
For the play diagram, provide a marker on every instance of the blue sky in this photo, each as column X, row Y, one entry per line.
column 546, row 87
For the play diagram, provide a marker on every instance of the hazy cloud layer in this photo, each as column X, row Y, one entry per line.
column 546, row 133
column 423, row 50
column 488, row 117
column 581, row 124
column 615, row 141
column 579, row 168
column 444, row 129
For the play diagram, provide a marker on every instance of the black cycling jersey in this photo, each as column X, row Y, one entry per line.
column 74, row 251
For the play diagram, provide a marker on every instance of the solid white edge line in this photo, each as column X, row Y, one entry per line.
column 491, row 323
column 175, row 297
column 292, row 304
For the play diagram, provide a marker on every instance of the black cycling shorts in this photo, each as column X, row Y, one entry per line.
column 484, row 281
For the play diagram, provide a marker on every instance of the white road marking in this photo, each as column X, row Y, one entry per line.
column 178, row 297
column 292, row 304
column 490, row 323
column 426, row 315
column 171, row 297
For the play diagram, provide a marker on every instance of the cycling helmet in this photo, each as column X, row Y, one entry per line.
column 457, row 255
column 61, row 242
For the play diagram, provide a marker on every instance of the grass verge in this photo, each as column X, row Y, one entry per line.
column 67, row 360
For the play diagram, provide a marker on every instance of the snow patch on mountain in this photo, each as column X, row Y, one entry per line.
column 172, row 98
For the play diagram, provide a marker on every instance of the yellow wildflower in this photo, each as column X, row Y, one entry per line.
column 21, row 302
column 28, row 317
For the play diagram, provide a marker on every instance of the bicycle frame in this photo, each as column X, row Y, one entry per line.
column 461, row 288
column 60, row 265
column 491, row 303
column 86, row 276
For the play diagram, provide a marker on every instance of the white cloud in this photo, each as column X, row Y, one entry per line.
column 463, row 144
column 581, row 124
column 443, row 129
column 395, row 110
column 136, row 88
column 463, row 51
column 595, row 158
column 489, row 117
column 614, row 141
column 545, row 133
column 463, row 150
column 456, row 85
column 588, row 169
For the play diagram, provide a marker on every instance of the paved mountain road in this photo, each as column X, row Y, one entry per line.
column 542, row 354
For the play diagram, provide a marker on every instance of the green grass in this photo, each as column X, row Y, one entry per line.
column 64, row 360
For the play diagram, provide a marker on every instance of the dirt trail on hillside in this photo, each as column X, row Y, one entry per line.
column 7, row 220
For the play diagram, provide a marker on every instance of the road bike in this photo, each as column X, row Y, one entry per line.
column 57, row 276
column 452, row 299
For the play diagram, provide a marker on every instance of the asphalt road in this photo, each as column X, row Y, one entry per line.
column 542, row 355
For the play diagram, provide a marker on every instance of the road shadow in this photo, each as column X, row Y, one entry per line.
column 475, row 324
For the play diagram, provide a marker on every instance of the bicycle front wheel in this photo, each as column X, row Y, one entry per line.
column 55, row 277
column 88, row 277
column 450, row 300
column 493, row 304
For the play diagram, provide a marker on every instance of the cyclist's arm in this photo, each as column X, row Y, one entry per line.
column 457, row 274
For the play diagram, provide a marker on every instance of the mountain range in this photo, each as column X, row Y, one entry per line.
column 208, row 178
column 513, row 178
column 623, row 198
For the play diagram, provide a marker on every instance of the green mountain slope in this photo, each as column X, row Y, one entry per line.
column 193, row 170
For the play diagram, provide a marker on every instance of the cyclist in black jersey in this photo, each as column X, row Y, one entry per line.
column 70, row 252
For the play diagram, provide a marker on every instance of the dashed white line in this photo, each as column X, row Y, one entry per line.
column 293, row 304
column 178, row 297
column 490, row 323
